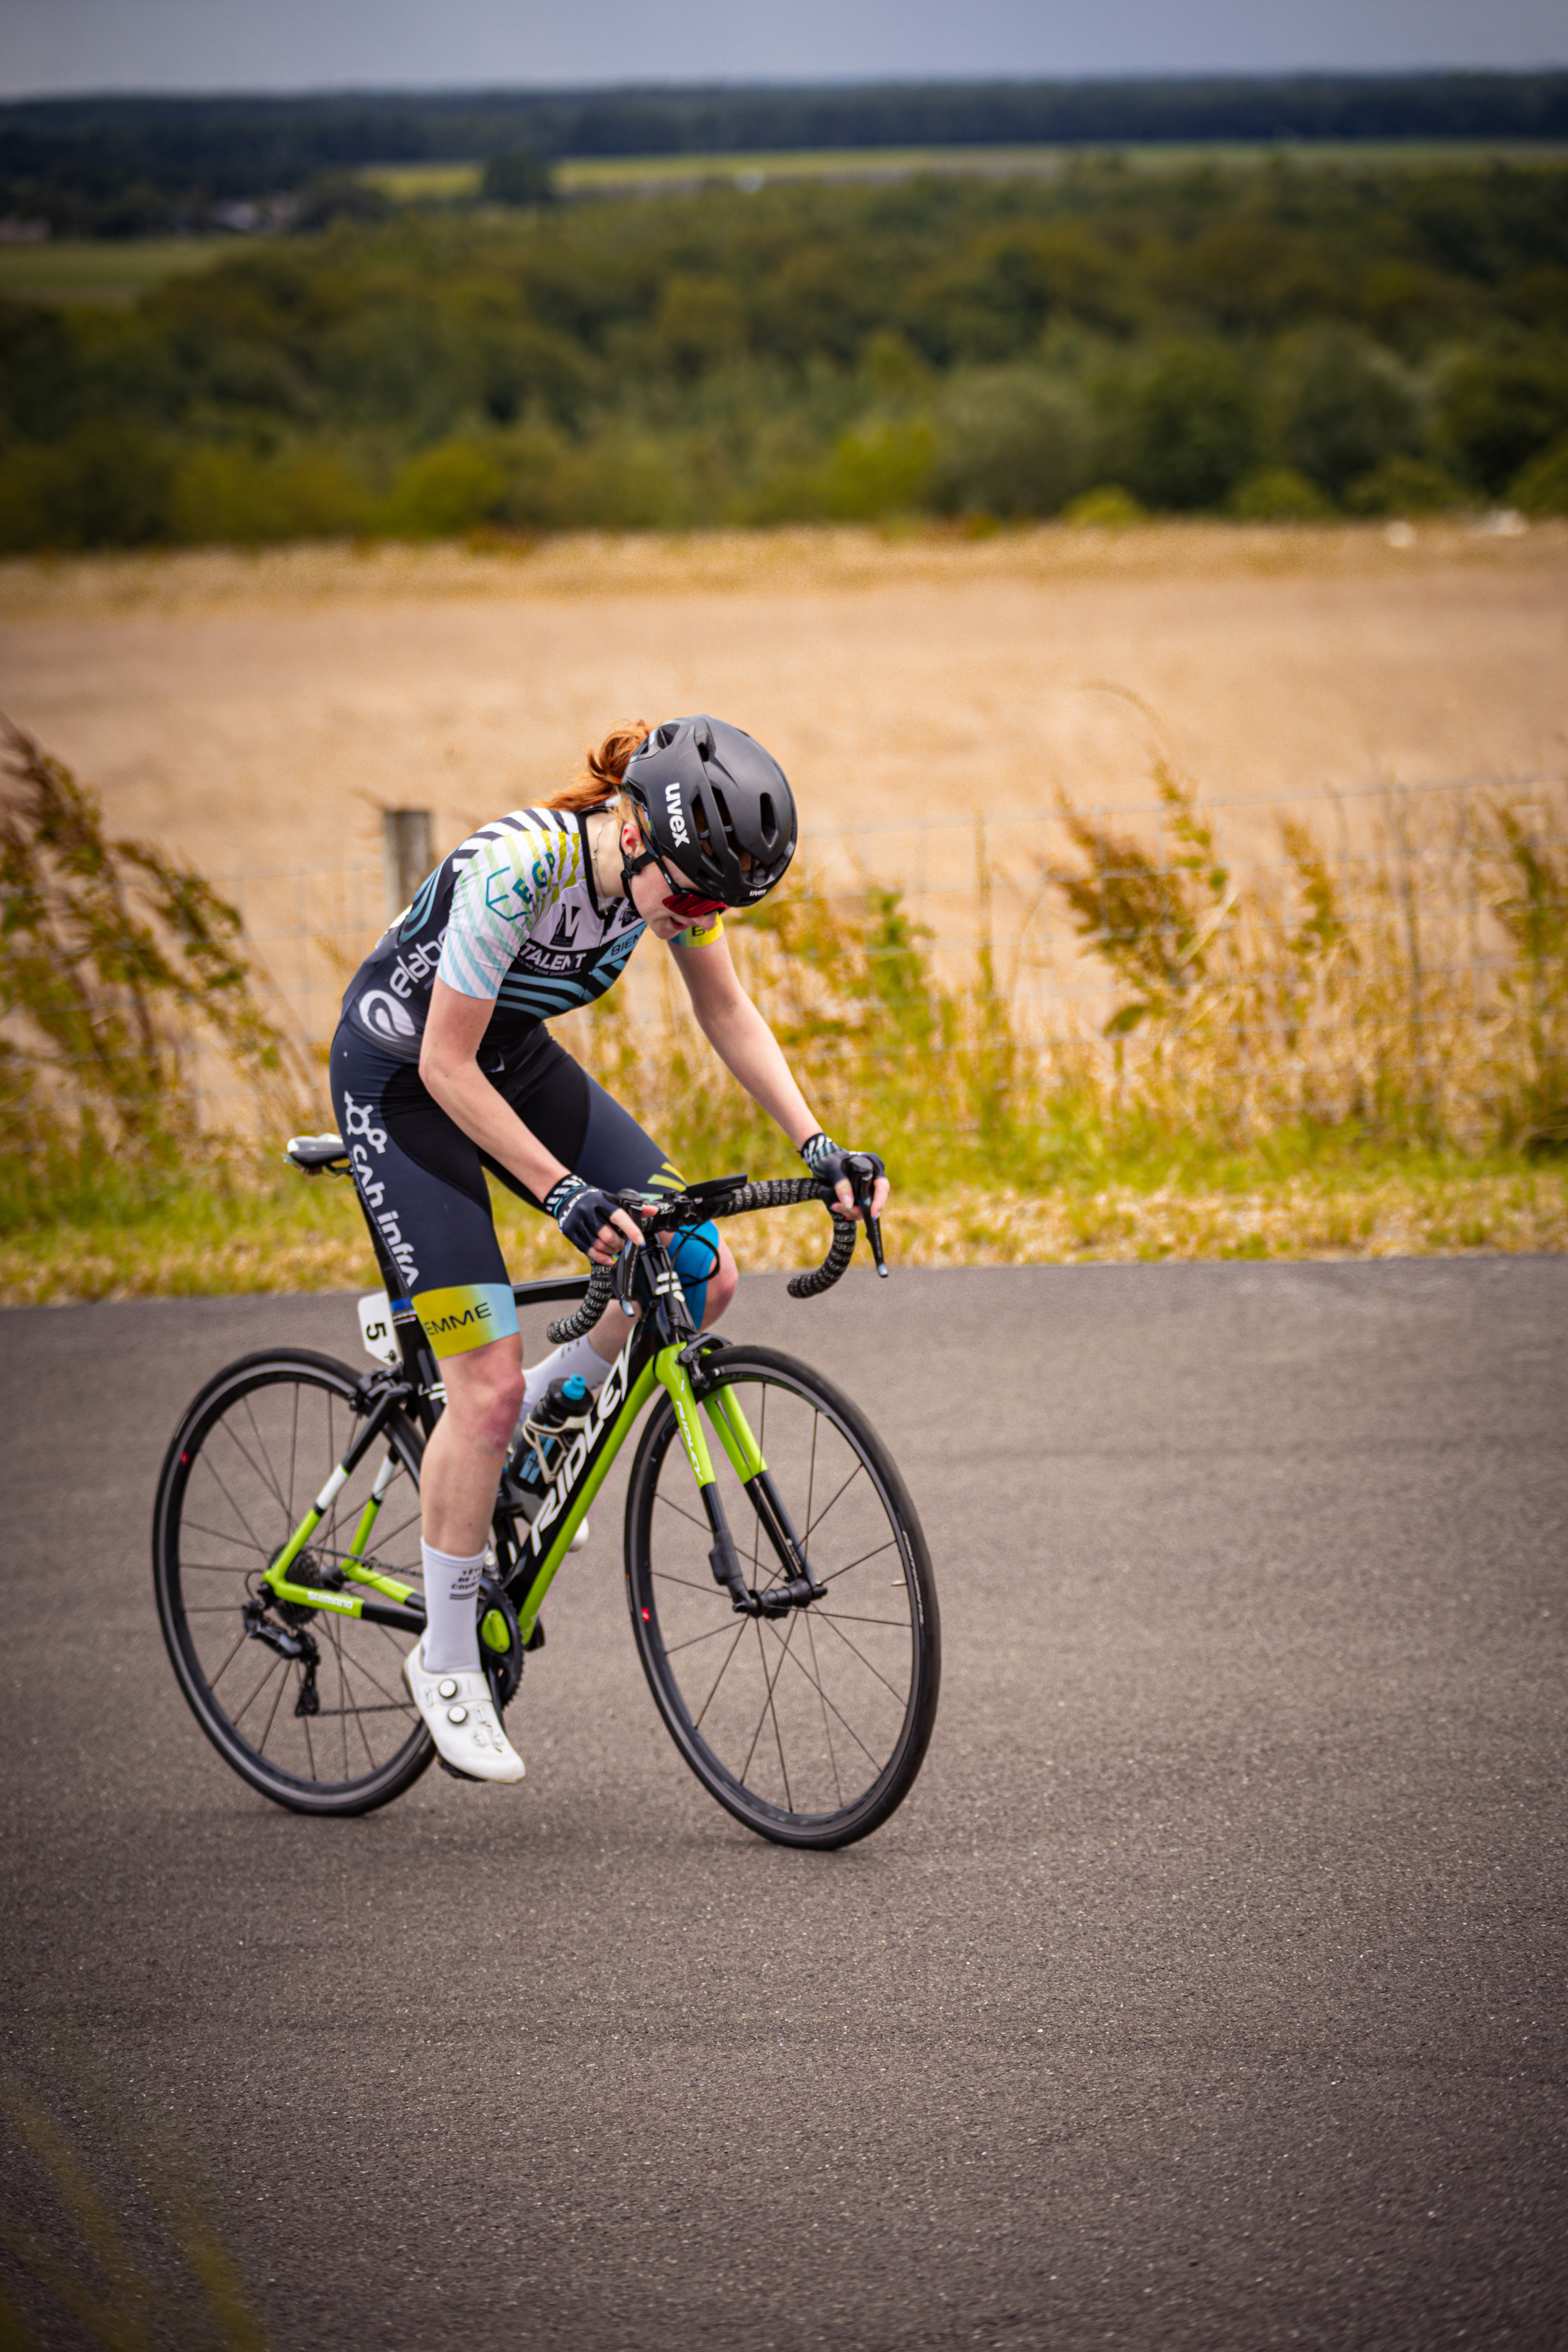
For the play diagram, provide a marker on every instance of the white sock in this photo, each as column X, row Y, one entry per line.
column 578, row 1356
column 451, row 1629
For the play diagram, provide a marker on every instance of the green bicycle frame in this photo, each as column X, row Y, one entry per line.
column 645, row 1361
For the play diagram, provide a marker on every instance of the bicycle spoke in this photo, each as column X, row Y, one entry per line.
column 826, row 1726
column 275, row 1668
column 767, row 1711
column 720, row 1675
column 823, row 1753
column 710, row 1592
column 864, row 1661
column 256, row 1542
column 272, row 1432
column 891, row 1545
column 814, row 1524
column 695, row 1640
column 230, row 1659
column 702, row 1525
column 261, row 1743
column 267, row 1475
column 838, row 1710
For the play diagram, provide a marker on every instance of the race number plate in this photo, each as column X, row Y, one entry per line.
column 376, row 1328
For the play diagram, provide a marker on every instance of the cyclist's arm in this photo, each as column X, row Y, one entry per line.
column 747, row 1046
column 449, row 1067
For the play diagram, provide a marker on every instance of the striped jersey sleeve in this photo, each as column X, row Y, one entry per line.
column 500, row 897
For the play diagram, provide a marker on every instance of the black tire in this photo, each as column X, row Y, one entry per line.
column 809, row 1728
column 253, row 1451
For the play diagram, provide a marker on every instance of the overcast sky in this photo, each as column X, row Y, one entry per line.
column 288, row 44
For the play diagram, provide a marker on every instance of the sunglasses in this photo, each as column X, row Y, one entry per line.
column 689, row 905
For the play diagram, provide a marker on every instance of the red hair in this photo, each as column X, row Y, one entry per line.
column 600, row 778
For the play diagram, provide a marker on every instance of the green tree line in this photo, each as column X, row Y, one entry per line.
column 141, row 165
column 1272, row 340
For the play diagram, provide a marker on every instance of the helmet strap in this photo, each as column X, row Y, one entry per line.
column 630, row 868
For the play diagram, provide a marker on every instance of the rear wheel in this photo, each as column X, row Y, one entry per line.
column 308, row 1706
column 809, row 1727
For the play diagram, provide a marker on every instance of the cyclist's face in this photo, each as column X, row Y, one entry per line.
column 652, row 891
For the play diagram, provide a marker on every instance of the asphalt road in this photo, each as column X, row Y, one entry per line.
column 1208, row 1990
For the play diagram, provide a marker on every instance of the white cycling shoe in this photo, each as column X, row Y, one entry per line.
column 460, row 1718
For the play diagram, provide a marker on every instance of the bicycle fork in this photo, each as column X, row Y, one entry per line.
column 723, row 1411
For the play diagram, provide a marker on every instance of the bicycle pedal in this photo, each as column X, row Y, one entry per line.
column 472, row 1778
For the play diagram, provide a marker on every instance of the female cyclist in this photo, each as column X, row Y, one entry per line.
column 442, row 1068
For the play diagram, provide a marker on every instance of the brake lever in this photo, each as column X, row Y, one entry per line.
column 623, row 1270
column 865, row 1193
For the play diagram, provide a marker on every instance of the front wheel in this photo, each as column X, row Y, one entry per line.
column 811, row 1726
column 310, row 1707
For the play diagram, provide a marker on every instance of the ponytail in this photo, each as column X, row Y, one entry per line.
column 600, row 779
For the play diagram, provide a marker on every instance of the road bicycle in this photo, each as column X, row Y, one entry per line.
column 778, row 1582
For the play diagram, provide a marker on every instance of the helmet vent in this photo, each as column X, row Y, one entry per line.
column 725, row 820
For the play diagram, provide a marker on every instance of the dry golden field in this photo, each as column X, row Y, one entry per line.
column 256, row 713
column 258, row 710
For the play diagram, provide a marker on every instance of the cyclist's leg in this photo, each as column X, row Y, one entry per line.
column 591, row 1133
column 420, row 1179
column 633, row 1161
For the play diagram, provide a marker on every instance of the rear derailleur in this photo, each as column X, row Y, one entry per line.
column 289, row 1642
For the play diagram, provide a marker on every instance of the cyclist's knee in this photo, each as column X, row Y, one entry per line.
column 485, row 1389
column 722, row 1284
column 699, row 1258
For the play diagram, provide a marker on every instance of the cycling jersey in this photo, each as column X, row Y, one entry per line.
column 511, row 914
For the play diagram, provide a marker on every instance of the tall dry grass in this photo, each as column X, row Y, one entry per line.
column 1392, row 979
column 1384, row 986
column 114, row 959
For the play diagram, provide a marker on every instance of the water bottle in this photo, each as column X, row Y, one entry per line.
column 565, row 1404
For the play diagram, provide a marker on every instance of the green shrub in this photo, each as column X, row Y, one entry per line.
column 1012, row 442
column 1404, row 486
column 877, row 470
column 449, row 489
column 1192, row 429
column 1107, row 505
column 1343, row 405
column 1498, row 409
column 336, row 196
column 104, row 485
column 517, row 177
column 1542, row 486
column 234, row 495
column 1279, row 494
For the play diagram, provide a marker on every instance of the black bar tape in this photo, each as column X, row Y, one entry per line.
column 822, row 1278
column 600, row 1290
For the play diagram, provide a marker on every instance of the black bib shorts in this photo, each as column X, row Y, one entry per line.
column 422, row 1180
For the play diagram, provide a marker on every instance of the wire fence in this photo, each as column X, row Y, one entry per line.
column 980, row 880
column 1393, row 950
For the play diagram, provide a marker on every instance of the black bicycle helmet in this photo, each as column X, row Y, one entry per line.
column 716, row 804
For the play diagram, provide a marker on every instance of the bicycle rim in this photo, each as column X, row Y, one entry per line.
column 253, row 1453
column 809, row 1728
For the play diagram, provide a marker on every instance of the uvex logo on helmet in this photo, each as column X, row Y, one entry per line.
column 713, row 800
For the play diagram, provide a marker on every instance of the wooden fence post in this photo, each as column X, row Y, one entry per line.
column 407, row 853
